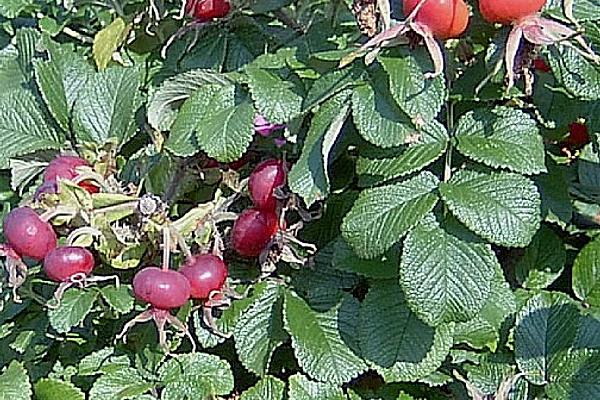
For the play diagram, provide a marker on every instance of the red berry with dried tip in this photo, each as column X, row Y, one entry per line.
column 207, row 10
column 540, row 65
column 444, row 18
column 162, row 289
column 266, row 177
column 578, row 136
column 206, row 273
column 253, row 230
column 28, row 234
column 508, row 11
column 65, row 167
column 63, row 263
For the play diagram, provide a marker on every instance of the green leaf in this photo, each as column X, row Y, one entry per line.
column 377, row 116
column 105, row 109
column 60, row 80
column 489, row 374
column 406, row 371
column 445, row 278
column 381, row 216
column 259, row 330
column 546, row 327
column 392, row 337
column 324, row 342
column 182, row 140
column 223, row 129
column 384, row 267
column 577, row 376
column 52, row 389
column 502, row 138
column 543, row 261
column 484, row 330
column 166, row 99
column 12, row 8
column 420, row 98
column 209, row 53
column 577, row 74
column 74, row 307
column 309, row 176
column 195, row 376
column 277, row 98
column 14, row 383
column 554, row 190
column 301, row 388
column 11, row 76
column 428, row 144
column 108, row 40
column 268, row 388
column 26, row 41
column 332, row 83
column 118, row 298
column 103, row 361
column 503, row 208
column 586, row 274
column 23, row 127
column 124, row 383
column 23, row 172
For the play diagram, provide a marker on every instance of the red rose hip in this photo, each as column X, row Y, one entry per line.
column 253, row 230
column 508, row 11
column 206, row 273
column 163, row 289
column 445, row 18
column 206, row 10
column 266, row 177
column 65, row 167
column 64, row 262
column 28, row 234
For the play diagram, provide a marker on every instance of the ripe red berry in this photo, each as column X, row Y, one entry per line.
column 65, row 167
column 445, row 18
column 64, row 262
column 206, row 273
column 161, row 289
column 540, row 65
column 578, row 136
column 206, row 10
column 253, row 230
column 508, row 11
column 266, row 177
column 27, row 234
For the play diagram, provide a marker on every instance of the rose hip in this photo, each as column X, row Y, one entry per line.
column 28, row 234
column 253, row 230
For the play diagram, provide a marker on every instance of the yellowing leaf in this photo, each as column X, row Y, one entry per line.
column 108, row 40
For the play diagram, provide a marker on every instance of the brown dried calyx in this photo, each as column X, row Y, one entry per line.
column 367, row 16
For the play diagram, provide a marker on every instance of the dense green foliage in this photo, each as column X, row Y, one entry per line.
column 441, row 237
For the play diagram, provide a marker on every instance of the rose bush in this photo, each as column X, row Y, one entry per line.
column 278, row 199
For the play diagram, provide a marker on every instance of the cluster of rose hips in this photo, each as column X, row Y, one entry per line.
column 202, row 277
column 30, row 236
column 428, row 20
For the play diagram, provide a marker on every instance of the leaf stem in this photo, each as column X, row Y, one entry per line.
column 166, row 259
column 450, row 125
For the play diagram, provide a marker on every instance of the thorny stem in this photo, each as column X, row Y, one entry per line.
column 166, row 261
